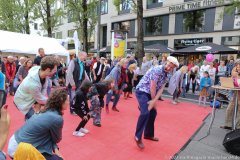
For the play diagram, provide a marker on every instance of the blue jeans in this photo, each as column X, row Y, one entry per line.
column 109, row 97
column 2, row 156
column 71, row 94
column 147, row 118
column 29, row 114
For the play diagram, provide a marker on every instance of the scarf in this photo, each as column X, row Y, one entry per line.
column 123, row 77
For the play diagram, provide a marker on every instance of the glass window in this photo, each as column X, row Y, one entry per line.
column 104, row 6
column 59, row 35
column 231, row 41
column 35, row 26
column 194, row 21
column 153, row 26
column 154, row 3
column 125, row 6
column 122, row 26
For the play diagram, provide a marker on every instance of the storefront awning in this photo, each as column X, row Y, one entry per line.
column 158, row 48
column 207, row 48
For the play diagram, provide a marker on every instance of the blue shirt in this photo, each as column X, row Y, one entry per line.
column 2, row 80
column 43, row 131
column 157, row 74
column 81, row 68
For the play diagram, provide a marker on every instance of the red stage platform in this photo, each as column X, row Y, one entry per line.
column 174, row 125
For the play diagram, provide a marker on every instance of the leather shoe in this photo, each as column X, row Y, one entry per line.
column 226, row 127
column 115, row 109
column 139, row 143
column 151, row 138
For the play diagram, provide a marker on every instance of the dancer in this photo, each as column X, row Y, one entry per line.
column 33, row 89
column 96, row 96
column 205, row 83
column 148, row 91
column 176, row 81
column 44, row 130
column 119, row 77
column 80, row 107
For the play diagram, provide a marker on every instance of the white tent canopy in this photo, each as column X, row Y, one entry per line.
column 29, row 44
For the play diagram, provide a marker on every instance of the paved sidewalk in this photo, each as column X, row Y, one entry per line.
column 209, row 148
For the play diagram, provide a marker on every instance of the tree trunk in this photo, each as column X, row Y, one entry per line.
column 26, row 16
column 49, row 26
column 85, row 26
column 140, row 47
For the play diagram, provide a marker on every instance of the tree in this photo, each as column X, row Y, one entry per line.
column 50, row 11
column 84, row 15
column 235, row 4
column 138, row 9
column 15, row 15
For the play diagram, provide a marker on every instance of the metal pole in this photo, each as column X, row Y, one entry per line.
column 235, row 110
column 98, row 27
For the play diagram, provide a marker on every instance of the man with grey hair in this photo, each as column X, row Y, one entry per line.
column 75, row 75
column 10, row 71
column 21, row 62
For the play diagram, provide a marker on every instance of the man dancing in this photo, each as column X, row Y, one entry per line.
column 148, row 91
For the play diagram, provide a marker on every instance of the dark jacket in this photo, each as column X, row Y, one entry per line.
column 80, row 103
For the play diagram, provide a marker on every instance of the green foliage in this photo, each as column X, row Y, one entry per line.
column 76, row 12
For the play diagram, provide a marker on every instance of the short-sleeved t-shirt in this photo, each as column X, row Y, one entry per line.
column 37, row 60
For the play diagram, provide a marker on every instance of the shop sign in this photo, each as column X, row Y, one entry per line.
column 203, row 48
column 196, row 5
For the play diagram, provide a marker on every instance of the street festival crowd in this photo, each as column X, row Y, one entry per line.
column 45, row 87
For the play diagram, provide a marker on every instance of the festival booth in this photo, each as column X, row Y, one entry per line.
column 198, row 51
column 18, row 44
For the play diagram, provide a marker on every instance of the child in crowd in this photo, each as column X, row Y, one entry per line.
column 80, row 107
column 205, row 83
column 96, row 95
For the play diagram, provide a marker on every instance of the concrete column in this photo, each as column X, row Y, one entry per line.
column 218, row 19
column 171, row 24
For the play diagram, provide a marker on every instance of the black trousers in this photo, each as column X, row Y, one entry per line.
column 193, row 84
column 83, row 122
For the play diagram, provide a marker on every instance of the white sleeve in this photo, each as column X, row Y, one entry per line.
column 95, row 65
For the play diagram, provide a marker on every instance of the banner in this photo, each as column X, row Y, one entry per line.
column 119, row 44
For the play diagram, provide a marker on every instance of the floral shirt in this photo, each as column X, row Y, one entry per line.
column 156, row 74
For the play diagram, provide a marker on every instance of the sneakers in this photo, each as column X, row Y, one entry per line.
column 84, row 130
column 78, row 134
column 174, row 102
column 139, row 143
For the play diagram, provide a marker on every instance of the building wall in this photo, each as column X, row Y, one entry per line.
column 216, row 30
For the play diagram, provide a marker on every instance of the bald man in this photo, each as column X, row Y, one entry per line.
column 75, row 75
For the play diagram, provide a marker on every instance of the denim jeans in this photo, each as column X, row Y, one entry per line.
column 71, row 94
column 109, row 97
column 147, row 118
column 29, row 114
column 2, row 156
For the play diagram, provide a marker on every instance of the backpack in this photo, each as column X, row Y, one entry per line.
column 108, row 70
column 217, row 104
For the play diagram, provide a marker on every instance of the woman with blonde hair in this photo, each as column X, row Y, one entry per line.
column 119, row 75
column 193, row 74
column 176, row 81
column 130, row 73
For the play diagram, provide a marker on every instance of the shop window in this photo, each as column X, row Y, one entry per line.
column 194, row 21
column 153, row 25
column 154, row 3
column 104, row 6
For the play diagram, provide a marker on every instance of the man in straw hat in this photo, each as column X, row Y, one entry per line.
column 148, row 91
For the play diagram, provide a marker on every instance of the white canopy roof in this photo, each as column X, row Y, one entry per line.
column 29, row 44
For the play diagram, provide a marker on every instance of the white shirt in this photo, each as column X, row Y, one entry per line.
column 212, row 73
column 203, row 69
column 100, row 68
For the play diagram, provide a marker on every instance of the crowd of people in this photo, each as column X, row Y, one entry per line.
column 41, row 88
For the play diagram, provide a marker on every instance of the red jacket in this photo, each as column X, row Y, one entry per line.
column 10, row 69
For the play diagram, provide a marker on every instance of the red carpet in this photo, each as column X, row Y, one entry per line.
column 174, row 125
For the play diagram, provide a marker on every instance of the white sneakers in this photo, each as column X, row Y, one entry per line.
column 84, row 130
column 81, row 132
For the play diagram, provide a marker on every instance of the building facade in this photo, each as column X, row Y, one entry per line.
column 174, row 23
